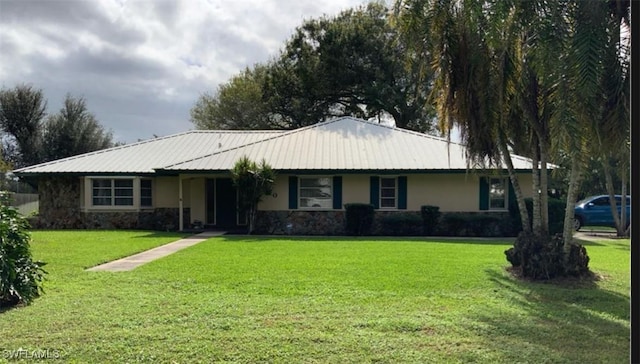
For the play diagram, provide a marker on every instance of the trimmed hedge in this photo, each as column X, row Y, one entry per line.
column 400, row 224
column 430, row 219
column 556, row 214
column 359, row 218
column 470, row 224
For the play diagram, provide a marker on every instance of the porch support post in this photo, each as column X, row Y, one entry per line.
column 180, row 204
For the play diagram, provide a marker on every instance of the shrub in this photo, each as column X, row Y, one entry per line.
column 20, row 276
column 556, row 214
column 542, row 257
column 400, row 224
column 452, row 224
column 430, row 218
column 358, row 218
column 467, row 224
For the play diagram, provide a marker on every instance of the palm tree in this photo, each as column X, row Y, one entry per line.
column 612, row 131
column 473, row 61
column 512, row 74
column 591, row 98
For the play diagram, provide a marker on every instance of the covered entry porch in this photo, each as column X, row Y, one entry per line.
column 212, row 202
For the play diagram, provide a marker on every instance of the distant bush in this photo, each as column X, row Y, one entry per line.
column 430, row 218
column 20, row 275
column 359, row 218
column 400, row 224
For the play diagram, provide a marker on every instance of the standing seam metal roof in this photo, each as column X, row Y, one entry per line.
column 340, row 144
column 145, row 156
column 344, row 144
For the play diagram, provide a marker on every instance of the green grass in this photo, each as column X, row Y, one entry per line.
column 239, row 299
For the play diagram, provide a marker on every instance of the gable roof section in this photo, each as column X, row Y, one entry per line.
column 342, row 144
column 144, row 157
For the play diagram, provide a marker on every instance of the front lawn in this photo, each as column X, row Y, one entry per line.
column 251, row 299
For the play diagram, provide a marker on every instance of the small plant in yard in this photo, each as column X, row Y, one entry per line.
column 253, row 181
column 20, row 275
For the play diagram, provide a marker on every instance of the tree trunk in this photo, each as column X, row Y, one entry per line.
column 544, row 189
column 572, row 193
column 612, row 197
column 623, row 205
column 535, row 172
column 522, row 207
column 252, row 219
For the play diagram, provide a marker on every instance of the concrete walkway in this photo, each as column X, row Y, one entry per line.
column 133, row 261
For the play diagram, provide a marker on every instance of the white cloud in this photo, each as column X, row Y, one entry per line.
column 142, row 64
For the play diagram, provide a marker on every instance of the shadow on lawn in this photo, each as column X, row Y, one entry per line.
column 559, row 314
column 324, row 239
column 160, row 234
column 619, row 243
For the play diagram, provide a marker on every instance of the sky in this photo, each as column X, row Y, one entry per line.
column 141, row 65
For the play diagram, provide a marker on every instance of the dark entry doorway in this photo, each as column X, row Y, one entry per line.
column 225, row 203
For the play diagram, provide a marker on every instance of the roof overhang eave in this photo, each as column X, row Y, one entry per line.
column 80, row 174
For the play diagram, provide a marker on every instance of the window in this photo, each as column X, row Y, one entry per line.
column 619, row 201
column 146, row 193
column 123, row 189
column 102, row 192
column 316, row 192
column 388, row 192
column 602, row 201
column 497, row 193
column 119, row 192
column 112, row 192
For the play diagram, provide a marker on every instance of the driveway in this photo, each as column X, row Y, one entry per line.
column 594, row 235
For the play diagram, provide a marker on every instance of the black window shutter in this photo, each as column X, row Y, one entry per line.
column 375, row 192
column 402, row 192
column 484, row 193
column 337, row 192
column 293, row 192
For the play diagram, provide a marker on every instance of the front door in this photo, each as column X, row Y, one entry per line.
column 225, row 203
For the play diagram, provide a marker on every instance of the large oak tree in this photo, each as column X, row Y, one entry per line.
column 353, row 64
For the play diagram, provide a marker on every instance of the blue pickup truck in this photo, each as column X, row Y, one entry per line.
column 596, row 211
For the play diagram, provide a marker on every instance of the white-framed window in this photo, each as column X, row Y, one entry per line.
column 315, row 192
column 388, row 192
column 146, row 193
column 118, row 193
column 102, row 192
column 112, row 192
column 498, row 193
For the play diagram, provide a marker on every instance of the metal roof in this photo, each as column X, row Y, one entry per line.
column 345, row 144
column 341, row 144
column 144, row 157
